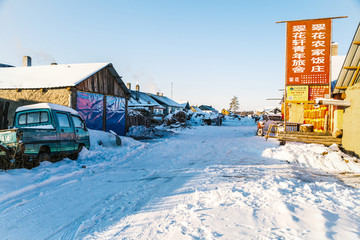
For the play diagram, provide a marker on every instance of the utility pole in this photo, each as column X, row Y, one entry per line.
column 172, row 90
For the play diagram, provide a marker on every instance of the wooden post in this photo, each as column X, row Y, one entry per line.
column 104, row 113
column 5, row 115
column 2, row 115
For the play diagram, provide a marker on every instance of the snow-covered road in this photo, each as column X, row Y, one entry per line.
column 203, row 183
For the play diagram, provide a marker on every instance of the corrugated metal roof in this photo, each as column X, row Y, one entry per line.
column 350, row 66
column 48, row 76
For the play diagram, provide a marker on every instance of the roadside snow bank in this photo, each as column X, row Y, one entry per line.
column 234, row 121
column 329, row 159
column 100, row 139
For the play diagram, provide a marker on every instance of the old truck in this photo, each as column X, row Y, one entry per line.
column 42, row 132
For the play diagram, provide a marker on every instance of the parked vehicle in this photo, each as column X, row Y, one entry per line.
column 42, row 132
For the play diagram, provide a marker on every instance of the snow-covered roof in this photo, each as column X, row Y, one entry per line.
column 185, row 105
column 197, row 109
column 141, row 99
column 48, row 76
column 2, row 65
column 207, row 108
column 47, row 106
column 165, row 101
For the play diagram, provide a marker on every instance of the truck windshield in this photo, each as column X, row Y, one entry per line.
column 33, row 118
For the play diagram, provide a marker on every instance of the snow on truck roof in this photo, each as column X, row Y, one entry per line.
column 48, row 76
column 47, row 106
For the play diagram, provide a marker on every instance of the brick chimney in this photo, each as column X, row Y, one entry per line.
column 137, row 87
column 27, row 61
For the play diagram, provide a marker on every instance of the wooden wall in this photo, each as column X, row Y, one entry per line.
column 23, row 97
column 102, row 82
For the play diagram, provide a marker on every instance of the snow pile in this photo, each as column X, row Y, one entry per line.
column 201, row 118
column 176, row 118
column 238, row 121
column 143, row 132
column 329, row 159
column 101, row 139
column 196, row 118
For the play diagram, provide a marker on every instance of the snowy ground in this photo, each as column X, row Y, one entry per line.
column 202, row 183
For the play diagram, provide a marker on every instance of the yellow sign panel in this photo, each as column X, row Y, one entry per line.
column 297, row 93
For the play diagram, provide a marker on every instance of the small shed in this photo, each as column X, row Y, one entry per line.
column 95, row 90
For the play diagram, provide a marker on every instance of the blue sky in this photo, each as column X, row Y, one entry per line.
column 210, row 50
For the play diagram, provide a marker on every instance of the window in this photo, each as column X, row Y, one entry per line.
column 44, row 117
column 22, row 119
column 77, row 122
column 33, row 118
column 63, row 120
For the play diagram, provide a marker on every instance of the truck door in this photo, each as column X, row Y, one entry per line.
column 66, row 132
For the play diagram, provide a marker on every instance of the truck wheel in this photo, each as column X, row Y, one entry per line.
column 75, row 156
column 44, row 156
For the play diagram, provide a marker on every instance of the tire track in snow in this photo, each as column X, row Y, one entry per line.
column 41, row 196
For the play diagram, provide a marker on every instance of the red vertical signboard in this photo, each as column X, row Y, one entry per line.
column 308, row 54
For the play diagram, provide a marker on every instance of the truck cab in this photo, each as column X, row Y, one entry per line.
column 44, row 132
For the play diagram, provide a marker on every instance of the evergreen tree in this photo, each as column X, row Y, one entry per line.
column 234, row 104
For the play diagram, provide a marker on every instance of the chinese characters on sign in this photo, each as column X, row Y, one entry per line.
column 319, row 92
column 308, row 53
column 297, row 93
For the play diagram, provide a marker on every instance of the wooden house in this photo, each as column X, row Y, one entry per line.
column 169, row 104
column 208, row 109
column 142, row 101
column 345, row 107
column 95, row 90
